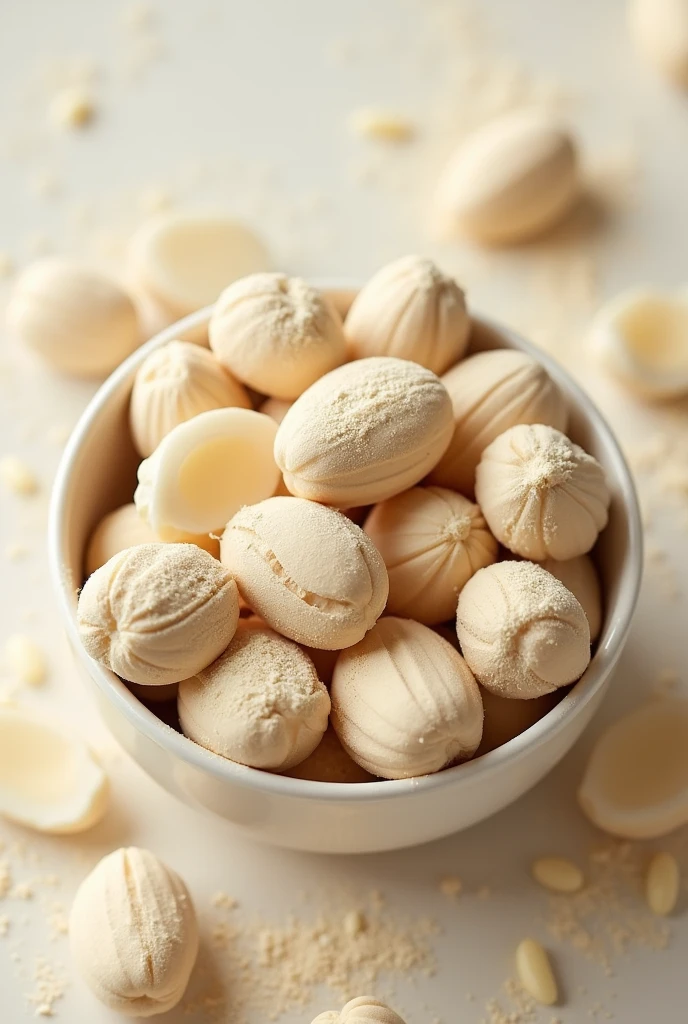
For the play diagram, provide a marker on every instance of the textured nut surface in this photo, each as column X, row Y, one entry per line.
column 662, row 884
column 535, row 972
column 307, row 570
column 361, row 1010
column 558, row 874
column 364, row 432
column 404, row 702
column 541, row 494
column 175, row 383
column 432, row 540
column 158, row 613
column 490, row 392
column 521, row 631
column 511, row 179
column 260, row 704
column 579, row 575
column 276, row 334
column 410, row 310
column 133, row 933
column 79, row 321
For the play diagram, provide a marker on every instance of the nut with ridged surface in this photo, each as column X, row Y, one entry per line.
column 410, row 310
column 175, row 383
column 404, row 702
column 542, row 495
column 158, row 613
column 364, row 432
column 579, row 575
column 490, row 392
column 276, row 333
column 432, row 540
column 308, row 571
column 522, row 633
column 260, row 704
column 133, row 933
column 361, row 1010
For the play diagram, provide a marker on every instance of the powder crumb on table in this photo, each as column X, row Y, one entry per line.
column 451, row 886
column 4, row 925
column 16, row 477
column 223, row 901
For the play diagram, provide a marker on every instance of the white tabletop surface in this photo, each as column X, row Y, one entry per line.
column 246, row 106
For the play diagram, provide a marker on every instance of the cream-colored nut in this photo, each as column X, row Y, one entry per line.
column 182, row 261
column 381, row 125
column 535, row 972
column 133, row 933
column 636, row 781
column 641, row 337
column 521, row 631
column 49, row 779
column 662, row 884
column 364, row 432
column 122, row 528
column 506, row 718
column 277, row 408
column 260, row 704
column 311, row 573
column 205, row 470
column 158, row 613
column 79, row 321
column 490, row 392
column 362, row 1010
column 541, row 494
column 558, row 874
column 410, row 310
column 276, row 334
column 330, row 762
column 579, row 575
column 514, row 178
column 175, row 383
column 404, row 702
column 659, row 29
column 432, row 541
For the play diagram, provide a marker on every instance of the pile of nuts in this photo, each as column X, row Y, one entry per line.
column 318, row 502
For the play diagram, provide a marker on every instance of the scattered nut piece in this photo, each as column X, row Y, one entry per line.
column 16, row 476
column 662, row 884
column 557, row 874
column 382, row 125
column 451, row 886
column 72, row 108
column 25, row 659
column 535, row 972
column 362, row 1010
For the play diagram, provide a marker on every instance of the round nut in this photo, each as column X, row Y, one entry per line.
column 362, row 1010
column 541, row 494
column 404, row 702
column 79, row 321
column 158, row 613
column 410, row 310
column 133, row 933
column 260, row 704
column 175, row 383
column 122, row 528
column 512, row 179
column 432, row 541
column 490, row 392
column 522, row 633
column 307, row 570
column 276, row 334
column 364, row 432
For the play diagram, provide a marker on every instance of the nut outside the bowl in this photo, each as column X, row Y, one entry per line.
column 335, row 817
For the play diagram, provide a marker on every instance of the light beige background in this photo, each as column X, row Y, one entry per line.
column 246, row 105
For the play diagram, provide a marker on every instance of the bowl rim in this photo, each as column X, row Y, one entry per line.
column 508, row 754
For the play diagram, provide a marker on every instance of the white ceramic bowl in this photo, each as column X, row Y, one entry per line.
column 98, row 473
